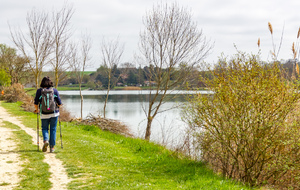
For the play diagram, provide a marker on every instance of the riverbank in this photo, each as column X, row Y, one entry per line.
column 32, row 91
column 96, row 159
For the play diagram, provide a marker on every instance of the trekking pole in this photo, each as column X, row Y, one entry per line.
column 60, row 134
column 37, row 132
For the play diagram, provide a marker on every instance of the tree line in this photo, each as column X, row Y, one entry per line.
column 126, row 75
column 14, row 68
column 129, row 75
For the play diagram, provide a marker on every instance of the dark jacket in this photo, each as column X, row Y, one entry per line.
column 57, row 99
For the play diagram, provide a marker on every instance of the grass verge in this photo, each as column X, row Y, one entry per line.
column 34, row 174
column 98, row 159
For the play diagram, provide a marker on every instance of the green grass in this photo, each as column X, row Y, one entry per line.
column 30, row 91
column 35, row 174
column 98, row 159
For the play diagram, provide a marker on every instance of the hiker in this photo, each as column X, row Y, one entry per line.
column 48, row 99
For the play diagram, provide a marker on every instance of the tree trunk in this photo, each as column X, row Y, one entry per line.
column 105, row 102
column 148, row 129
column 37, row 77
column 56, row 79
column 36, row 82
column 107, row 94
column 81, row 103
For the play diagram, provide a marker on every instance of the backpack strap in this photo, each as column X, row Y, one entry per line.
column 40, row 108
column 48, row 107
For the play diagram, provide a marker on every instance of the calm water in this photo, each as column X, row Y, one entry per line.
column 128, row 107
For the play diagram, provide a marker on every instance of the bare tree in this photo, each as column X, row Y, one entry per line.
column 61, row 35
column 171, row 45
column 37, row 44
column 79, row 62
column 111, row 54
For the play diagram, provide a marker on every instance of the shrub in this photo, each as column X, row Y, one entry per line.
column 64, row 114
column 249, row 128
column 14, row 93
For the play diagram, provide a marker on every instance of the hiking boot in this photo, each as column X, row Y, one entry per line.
column 51, row 149
column 46, row 143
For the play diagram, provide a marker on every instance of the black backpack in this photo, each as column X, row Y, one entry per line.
column 48, row 104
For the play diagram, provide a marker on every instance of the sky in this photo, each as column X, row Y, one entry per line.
column 226, row 23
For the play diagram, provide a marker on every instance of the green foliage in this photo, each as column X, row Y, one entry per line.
column 249, row 128
column 97, row 159
column 4, row 78
column 13, row 64
column 91, row 85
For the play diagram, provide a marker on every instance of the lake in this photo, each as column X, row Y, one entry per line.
column 128, row 107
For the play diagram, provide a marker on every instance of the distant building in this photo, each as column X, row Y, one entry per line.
column 150, row 83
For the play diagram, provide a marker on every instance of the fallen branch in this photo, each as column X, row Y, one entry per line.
column 105, row 124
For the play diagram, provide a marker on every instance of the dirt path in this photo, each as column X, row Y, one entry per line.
column 59, row 177
column 10, row 163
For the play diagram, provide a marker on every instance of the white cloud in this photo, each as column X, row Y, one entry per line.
column 226, row 22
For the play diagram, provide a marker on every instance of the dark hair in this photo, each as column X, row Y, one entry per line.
column 46, row 82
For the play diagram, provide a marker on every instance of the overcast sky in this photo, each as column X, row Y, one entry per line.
column 224, row 22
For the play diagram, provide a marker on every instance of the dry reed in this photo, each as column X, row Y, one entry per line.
column 270, row 27
column 294, row 50
column 132, row 88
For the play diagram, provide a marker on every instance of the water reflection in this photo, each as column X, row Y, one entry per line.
column 129, row 108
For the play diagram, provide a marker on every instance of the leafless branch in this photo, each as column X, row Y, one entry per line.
column 171, row 45
column 37, row 44
column 111, row 54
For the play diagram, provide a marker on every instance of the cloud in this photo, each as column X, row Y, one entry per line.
column 225, row 22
